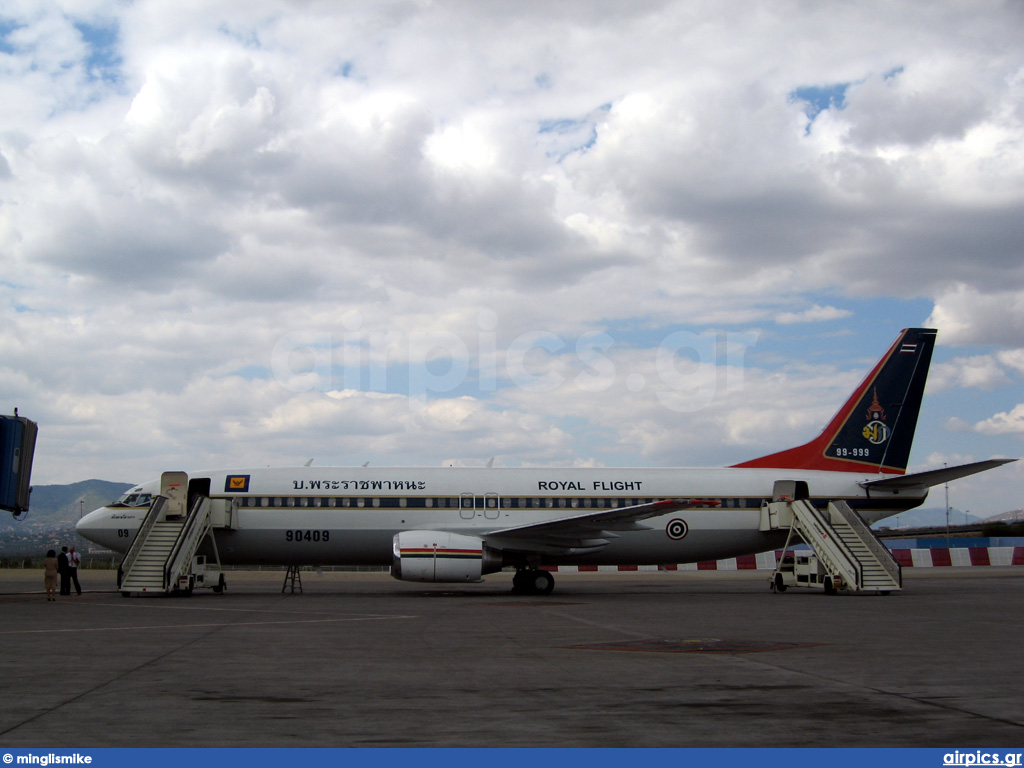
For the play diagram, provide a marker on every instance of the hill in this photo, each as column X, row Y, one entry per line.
column 59, row 506
column 927, row 518
column 50, row 523
column 1013, row 516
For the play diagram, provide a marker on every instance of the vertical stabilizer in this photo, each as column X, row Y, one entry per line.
column 874, row 429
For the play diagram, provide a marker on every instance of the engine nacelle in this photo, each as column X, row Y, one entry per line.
column 440, row 556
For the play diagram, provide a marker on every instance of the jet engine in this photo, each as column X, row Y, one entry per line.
column 440, row 556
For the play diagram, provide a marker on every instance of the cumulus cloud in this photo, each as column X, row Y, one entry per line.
column 182, row 188
column 814, row 314
column 1009, row 422
column 979, row 372
column 966, row 314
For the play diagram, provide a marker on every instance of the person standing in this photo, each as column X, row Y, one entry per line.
column 65, row 571
column 50, row 575
column 74, row 560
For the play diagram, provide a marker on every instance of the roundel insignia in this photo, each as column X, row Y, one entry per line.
column 876, row 432
column 676, row 529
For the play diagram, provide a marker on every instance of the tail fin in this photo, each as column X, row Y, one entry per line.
column 874, row 430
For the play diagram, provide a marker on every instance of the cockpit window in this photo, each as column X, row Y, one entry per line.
column 134, row 499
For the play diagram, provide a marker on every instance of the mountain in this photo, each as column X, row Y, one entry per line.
column 927, row 518
column 1013, row 516
column 50, row 523
column 59, row 506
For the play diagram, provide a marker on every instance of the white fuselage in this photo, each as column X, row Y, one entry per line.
column 349, row 516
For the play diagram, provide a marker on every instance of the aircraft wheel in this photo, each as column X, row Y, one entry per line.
column 519, row 582
column 541, row 583
column 779, row 584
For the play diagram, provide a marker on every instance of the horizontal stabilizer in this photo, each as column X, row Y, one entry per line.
column 933, row 477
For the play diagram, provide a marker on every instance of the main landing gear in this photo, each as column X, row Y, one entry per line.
column 528, row 581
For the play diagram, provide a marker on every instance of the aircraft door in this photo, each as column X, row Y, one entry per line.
column 471, row 505
column 197, row 488
column 467, row 506
column 491, row 506
column 793, row 490
column 174, row 486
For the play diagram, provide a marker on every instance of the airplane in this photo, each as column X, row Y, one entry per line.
column 451, row 524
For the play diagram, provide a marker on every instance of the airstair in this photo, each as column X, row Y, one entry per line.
column 849, row 555
column 163, row 557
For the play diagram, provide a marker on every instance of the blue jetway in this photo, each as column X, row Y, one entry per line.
column 17, row 444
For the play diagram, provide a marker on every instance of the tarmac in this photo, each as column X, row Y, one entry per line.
column 673, row 659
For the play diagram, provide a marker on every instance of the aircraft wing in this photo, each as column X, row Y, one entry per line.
column 933, row 477
column 589, row 530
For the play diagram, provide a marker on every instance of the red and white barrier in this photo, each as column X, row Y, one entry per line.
column 939, row 557
column 959, row 556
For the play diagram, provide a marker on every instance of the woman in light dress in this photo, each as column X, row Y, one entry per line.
column 50, row 575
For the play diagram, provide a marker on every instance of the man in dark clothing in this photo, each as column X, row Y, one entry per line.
column 65, row 571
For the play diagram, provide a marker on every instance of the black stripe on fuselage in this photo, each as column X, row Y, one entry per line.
column 508, row 503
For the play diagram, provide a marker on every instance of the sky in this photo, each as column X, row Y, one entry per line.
column 552, row 234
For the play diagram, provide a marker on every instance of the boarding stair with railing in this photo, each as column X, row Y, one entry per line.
column 161, row 558
column 844, row 545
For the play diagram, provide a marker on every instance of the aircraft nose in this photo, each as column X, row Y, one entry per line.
column 92, row 523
